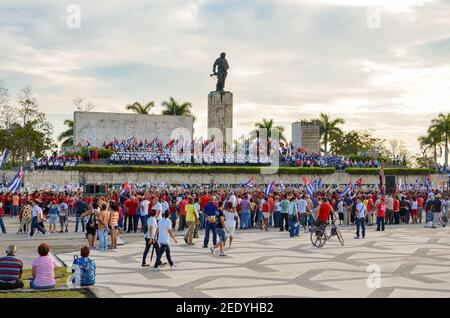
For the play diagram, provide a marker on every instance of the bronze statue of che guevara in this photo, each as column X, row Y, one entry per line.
column 220, row 69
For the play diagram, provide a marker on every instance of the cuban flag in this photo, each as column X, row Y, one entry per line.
column 3, row 158
column 250, row 183
column 16, row 182
column 311, row 187
column 125, row 189
column 269, row 188
column 319, row 184
column 347, row 189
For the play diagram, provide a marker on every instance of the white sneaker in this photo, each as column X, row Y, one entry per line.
column 173, row 267
column 213, row 251
column 157, row 269
column 223, row 254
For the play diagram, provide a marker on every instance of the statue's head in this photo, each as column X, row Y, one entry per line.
column 222, row 55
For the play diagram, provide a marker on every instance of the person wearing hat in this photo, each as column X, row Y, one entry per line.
column 11, row 270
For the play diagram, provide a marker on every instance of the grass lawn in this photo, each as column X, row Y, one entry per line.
column 61, row 276
column 48, row 294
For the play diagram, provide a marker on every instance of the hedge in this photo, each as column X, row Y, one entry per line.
column 197, row 169
column 390, row 171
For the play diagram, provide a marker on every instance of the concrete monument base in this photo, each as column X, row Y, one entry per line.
column 220, row 113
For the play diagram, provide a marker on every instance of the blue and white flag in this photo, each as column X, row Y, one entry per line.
column 16, row 182
column 319, row 184
column 347, row 189
column 3, row 158
column 269, row 188
column 311, row 188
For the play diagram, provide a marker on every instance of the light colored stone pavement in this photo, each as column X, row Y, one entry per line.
column 414, row 262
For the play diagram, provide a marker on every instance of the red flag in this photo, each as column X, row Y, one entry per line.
column 305, row 181
column 359, row 182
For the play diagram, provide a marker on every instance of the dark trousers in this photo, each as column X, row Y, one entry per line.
column 17, row 284
column 252, row 219
column 380, row 222
column 79, row 220
column 35, row 225
column 132, row 222
column 147, row 249
column 396, row 217
column 360, row 224
column 164, row 248
column 284, row 219
column 210, row 227
column 2, row 225
column 125, row 219
column 182, row 223
column 143, row 219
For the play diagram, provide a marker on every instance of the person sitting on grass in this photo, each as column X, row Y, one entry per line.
column 43, row 269
column 11, row 269
column 83, row 269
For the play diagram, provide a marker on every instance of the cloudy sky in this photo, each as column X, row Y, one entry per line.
column 383, row 65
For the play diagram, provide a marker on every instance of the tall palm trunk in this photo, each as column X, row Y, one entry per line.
column 446, row 149
column 325, row 142
column 435, row 154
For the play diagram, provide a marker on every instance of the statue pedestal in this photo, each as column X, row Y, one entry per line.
column 220, row 115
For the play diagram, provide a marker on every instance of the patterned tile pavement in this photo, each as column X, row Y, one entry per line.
column 413, row 262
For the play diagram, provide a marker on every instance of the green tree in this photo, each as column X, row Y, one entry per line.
column 431, row 141
column 27, row 133
column 329, row 129
column 67, row 135
column 139, row 108
column 441, row 125
column 172, row 107
column 269, row 125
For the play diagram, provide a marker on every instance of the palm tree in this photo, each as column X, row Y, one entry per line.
column 431, row 141
column 269, row 125
column 173, row 108
column 67, row 136
column 441, row 125
column 139, row 108
column 328, row 128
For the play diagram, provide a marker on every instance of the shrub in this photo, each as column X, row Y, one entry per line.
column 390, row 171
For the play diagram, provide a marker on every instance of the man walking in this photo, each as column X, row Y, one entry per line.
column 80, row 208
column 34, row 218
column 210, row 222
column 361, row 213
column 164, row 235
column 191, row 219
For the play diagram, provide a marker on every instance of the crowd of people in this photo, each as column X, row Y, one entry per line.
column 54, row 162
column 159, row 212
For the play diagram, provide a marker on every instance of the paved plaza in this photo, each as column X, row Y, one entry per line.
column 413, row 262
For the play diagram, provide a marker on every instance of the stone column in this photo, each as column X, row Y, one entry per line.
column 220, row 112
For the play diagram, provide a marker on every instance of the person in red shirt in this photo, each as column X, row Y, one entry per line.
column 182, row 214
column 381, row 212
column 2, row 214
column 324, row 210
column 370, row 210
column 420, row 207
column 131, row 213
column 396, row 210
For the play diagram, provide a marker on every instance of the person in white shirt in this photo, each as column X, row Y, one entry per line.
column 230, row 220
column 361, row 213
column 232, row 199
column 143, row 210
column 301, row 208
column 158, row 208
column 164, row 235
column 197, row 213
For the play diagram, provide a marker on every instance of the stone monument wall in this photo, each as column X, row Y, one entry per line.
column 97, row 127
column 306, row 134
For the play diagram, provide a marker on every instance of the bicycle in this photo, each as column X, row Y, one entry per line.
column 319, row 235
